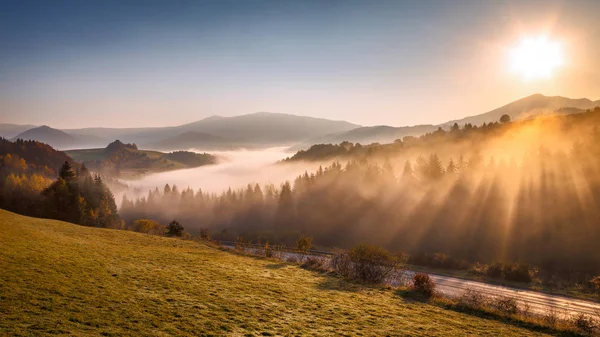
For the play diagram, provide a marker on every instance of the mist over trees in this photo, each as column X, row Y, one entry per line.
column 541, row 207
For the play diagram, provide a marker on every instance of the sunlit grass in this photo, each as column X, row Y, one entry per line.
column 59, row 278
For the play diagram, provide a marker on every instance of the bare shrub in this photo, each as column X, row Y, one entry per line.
column 315, row 263
column 423, row 284
column 584, row 322
column 506, row 305
column 240, row 245
column 551, row 317
column 472, row 299
column 372, row 264
column 204, row 234
column 341, row 264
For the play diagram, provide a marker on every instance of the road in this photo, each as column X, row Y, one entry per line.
column 538, row 302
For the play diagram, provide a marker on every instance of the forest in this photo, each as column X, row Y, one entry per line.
column 526, row 191
column 36, row 180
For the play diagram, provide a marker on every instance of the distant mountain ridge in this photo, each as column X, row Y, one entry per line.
column 265, row 129
column 45, row 134
column 533, row 105
column 529, row 106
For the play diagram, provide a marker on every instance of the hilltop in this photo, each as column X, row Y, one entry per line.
column 60, row 278
column 121, row 159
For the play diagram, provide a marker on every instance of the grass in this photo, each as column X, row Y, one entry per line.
column 57, row 279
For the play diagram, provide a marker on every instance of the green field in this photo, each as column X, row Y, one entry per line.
column 62, row 279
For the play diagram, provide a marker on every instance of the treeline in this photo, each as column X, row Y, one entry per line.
column 36, row 180
column 473, row 138
column 542, row 208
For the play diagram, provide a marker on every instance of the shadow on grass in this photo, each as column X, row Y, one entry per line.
column 409, row 295
column 277, row 265
column 331, row 282
column 532, row 326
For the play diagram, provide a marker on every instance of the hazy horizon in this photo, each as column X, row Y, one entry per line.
column 143, row 64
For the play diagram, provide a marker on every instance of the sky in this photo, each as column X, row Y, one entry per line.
column 71, row 64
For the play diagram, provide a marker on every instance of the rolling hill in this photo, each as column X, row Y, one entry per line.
column 530, row 106
column 120, row 159
column 9, row 131
column 53, row 137
column 262, row 129
column 63, row 279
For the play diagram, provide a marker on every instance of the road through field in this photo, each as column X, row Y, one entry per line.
column 537, row 302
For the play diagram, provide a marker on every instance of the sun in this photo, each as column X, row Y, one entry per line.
column 536, row 58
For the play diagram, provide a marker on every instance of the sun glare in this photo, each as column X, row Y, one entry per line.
column 535, row 58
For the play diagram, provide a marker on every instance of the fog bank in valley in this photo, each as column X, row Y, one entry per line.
column 236, row 169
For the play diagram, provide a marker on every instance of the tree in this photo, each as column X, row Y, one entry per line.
column 451, row 167
column 67, row 173
column 174, row 228
column 504, row 119
column 435, row 170
column 303, row 245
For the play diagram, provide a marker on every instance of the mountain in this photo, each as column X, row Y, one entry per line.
column 53, row 137
column 261, row 129
column 9, row 131
column 265, row 129
column 529, row 106
column 193, row 140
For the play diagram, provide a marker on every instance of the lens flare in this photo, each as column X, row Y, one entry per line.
column 535, row 58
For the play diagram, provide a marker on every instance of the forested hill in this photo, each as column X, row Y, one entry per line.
column 458, row 139
column 120, row 159
column 525, row 191
column 30, row 156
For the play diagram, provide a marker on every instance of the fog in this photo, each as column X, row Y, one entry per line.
column 235, row 169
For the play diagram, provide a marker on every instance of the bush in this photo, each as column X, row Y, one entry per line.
column 315, row 263
column 148, row 226
column 371, row 264
column 517, row 273
column 204, row 234
column 506, row 305
column 303, row 245
column 584, row 323
column 495, row 270
column 174, row 229
column 423, row 284
column 595, row 284
column 472, row 299
column 342, row 265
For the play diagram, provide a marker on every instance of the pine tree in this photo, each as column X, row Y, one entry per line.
column 67, row 173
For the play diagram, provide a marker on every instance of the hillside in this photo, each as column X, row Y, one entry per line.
column 120, row 159
column 9, row 131
column 194, row 140
column 53, row 137
column 62, row 279
column 262, row 129
column 529, row 106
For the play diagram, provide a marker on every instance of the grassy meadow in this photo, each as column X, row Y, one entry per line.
column 58, row 278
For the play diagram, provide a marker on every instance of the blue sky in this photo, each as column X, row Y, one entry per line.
column 151, row 63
